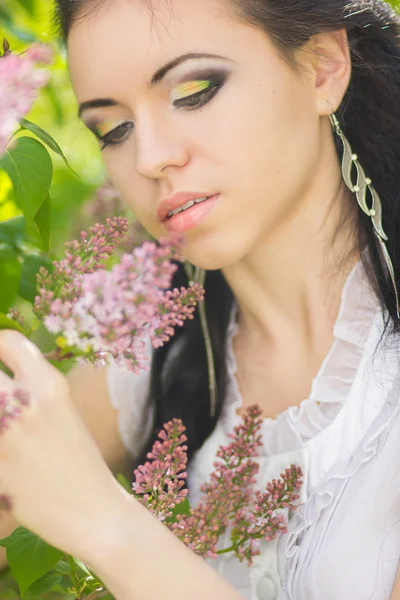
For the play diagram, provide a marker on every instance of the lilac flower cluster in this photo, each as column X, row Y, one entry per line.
column 107, row 202
column 11, row 404
column 102, row 314
column 16, row 315
column 81, row 257
column 158, row 484
column 228, row 490
column 228, row 499
column 259, row 520
column 19, row 82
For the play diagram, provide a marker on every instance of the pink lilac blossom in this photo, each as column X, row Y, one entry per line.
column 16, row 315
column 258, row 521
column 228, row 490
column 19, row 84
column 158, row 484
column 108, row 314
column 11, row 405
column 228, row 499
column 84, row 256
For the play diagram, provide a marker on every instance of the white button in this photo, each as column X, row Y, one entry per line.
column 266, row 588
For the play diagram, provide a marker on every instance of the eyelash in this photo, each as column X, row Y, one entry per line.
column 201, row 99
column 110, row 140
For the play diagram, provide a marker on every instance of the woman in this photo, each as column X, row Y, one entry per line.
column 245, row 106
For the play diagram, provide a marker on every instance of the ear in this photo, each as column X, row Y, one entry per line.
column 328, row 62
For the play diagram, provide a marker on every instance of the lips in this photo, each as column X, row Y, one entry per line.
column 191, row 216
column 177, row 201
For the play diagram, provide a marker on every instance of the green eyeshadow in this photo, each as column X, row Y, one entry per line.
column 101, row 129
column 189, row 88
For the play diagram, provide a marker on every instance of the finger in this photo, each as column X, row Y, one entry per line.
column 5, row 381
column 21, row 356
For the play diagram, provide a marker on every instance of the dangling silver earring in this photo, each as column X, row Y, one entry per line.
column 197, row 275
column 361, row 188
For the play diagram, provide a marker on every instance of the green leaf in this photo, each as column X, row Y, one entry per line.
column 29, row 557
column 15, row 231
column 45, row 584
column 7, row 323
column 12, row 231
column 82, row 565
column 124, row 481
column 29, row 268
column 10, row 276
column 63, row 586
column 39, row 230
column 63, row 567
column 46, row 138
column 30, row 169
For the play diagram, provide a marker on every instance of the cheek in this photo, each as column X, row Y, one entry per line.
column 279, row 142
column 260, row 132
column 267, row 155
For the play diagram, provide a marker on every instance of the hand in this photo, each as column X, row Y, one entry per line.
column 50, row 467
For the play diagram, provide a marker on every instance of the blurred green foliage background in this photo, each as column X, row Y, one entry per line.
column 23, row 22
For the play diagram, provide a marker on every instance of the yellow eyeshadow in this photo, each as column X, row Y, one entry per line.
column 191, row 87
column 102, row 129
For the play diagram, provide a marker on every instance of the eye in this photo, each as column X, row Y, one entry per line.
column 210, row 88
column 117, row 135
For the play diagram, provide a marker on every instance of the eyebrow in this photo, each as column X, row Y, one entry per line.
column 155, row 80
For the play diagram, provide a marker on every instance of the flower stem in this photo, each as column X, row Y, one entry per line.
column 198, row 275
column 57, row 356
column 232, row 548
column 226, row 550
column 73, row 575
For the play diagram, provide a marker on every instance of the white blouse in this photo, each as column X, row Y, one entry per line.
column 344, row 539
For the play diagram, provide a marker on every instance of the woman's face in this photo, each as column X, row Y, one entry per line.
column 241, row 125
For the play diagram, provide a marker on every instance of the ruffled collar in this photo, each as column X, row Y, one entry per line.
column 292, row 428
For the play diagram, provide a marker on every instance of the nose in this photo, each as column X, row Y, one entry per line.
column 159, row 145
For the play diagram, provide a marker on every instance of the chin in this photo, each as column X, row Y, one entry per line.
column 210, row 258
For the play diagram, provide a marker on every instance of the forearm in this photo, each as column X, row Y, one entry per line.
column 140, row 559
